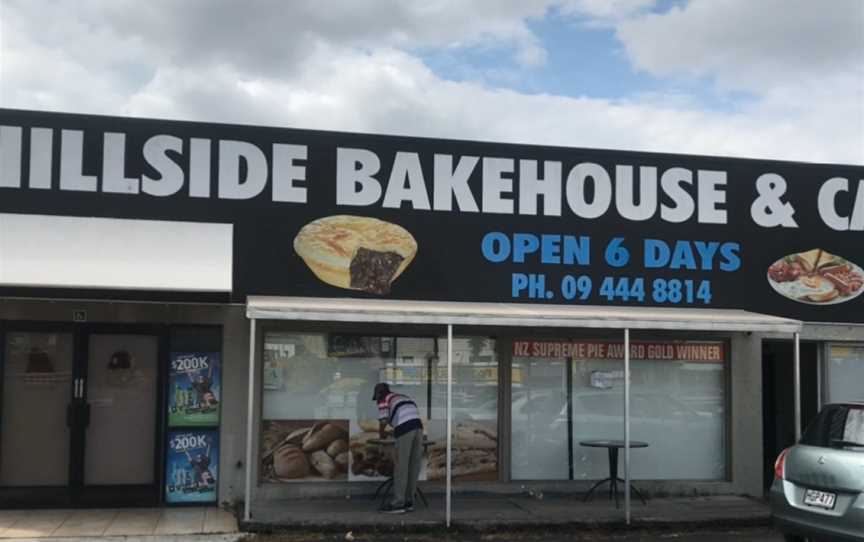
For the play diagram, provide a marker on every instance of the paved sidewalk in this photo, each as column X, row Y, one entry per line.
column 108, row 522
column 491, row 513
column 749, row 534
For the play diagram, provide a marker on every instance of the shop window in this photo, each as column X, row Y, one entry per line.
column 537, row 409
column 677, row 407
column 475, row 411
column 845, row 373
column 319, row 417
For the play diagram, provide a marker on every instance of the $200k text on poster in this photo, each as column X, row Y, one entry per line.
column 194, row 389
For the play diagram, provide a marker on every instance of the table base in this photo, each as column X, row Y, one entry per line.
column 613, row 490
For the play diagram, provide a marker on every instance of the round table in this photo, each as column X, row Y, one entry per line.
column 612, row 446
column 385, row 486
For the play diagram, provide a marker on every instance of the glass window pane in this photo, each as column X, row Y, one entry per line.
column 318, row 412
column 674, row 405
column 677, row 403
column 834, row 424
column 475, row 411
column 538, row 411
column 845, row 374
column 120, row 399
column 37, row 389
column 853, row 431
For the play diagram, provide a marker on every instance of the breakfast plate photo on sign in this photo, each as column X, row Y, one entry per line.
column 816, row 277
column 356, row 252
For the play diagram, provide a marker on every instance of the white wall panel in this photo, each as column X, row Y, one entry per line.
column 54, row 251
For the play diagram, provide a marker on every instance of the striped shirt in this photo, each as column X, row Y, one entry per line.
column 400, row 411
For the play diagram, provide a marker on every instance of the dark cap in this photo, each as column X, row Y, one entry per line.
column 381, row 390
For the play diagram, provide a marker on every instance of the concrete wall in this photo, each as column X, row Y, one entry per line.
column 235, row 393
column 235, row 352
column 745, row 441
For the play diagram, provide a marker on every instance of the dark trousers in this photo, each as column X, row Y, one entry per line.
column 409, row 457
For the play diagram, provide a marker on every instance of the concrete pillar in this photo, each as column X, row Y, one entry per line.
column 745, row 420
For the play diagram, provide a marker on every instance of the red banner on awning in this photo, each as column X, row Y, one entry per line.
column 696, row 352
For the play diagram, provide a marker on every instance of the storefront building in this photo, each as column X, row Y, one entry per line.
column 508, row 281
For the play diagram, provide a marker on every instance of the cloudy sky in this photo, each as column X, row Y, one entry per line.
column 766, row 79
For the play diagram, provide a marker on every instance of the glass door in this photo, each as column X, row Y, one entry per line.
column 80, row 420
column 35, row 431
column 122, row 398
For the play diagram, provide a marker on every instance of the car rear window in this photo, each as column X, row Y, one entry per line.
column 837, row 426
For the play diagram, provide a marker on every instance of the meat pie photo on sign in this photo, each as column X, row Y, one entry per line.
column 355, row 252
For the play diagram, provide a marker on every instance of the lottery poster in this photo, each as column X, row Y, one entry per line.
column 192, row 466
column 194, row 389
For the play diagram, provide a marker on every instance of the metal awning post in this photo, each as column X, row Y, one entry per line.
column 250, row 423
column 626, row 426
column 449, row 417
column 797, row 386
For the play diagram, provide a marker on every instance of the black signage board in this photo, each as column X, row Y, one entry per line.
column 326, row 214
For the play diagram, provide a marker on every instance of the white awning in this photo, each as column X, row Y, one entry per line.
column 512, row 314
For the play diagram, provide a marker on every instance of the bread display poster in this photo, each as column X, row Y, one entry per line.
column 369, row 460
column 339, row 450
column 304, row 450
column 194, row 389
column 319, row 214
column 192, row 466
column 475, row 451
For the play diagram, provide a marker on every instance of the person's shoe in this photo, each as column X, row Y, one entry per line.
column 390, row 509
column 409, row 506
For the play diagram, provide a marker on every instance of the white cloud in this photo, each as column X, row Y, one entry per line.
column 750, row 45
column 801, row 61
column 263, row 63
column 393, row 92
column 266, row 35
column 607, row 10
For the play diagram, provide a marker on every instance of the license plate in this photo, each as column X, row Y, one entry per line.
column 822, row 499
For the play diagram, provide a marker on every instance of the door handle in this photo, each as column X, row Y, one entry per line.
column 78, row 389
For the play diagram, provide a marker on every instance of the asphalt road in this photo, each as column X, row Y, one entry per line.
column 741, row 535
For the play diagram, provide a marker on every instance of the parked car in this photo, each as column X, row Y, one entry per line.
column 818, row 489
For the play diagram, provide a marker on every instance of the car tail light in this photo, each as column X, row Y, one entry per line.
column 780, row 465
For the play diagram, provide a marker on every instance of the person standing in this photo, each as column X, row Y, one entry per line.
column 401, row 413
column 201, row 466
